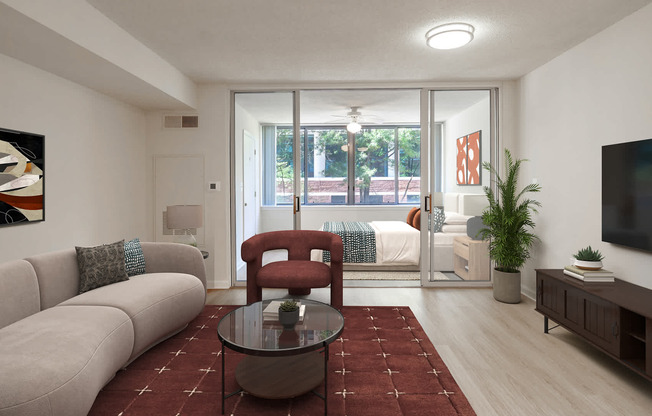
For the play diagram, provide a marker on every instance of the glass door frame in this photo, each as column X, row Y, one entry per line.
column 428, row 131
column 296, row 140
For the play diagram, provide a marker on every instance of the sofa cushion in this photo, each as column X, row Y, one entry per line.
column 56, row 361
column 101, row 265
column 172, row 257
column 58, row 276
column 134, row 258
column 159, row 304
column 19, row 286
column 294, row 274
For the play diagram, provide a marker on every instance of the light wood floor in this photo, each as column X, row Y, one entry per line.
column 499, row 354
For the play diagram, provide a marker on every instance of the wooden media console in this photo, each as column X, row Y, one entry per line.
column 615, row 317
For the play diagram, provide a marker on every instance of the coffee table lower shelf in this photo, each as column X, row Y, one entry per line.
column 280, row 377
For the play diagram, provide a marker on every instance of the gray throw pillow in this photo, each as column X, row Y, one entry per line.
column 134, row 258
column 101, row 265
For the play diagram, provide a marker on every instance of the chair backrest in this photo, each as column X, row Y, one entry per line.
column 298, row 243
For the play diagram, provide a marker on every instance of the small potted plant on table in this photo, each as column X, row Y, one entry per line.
column 288, row 313
column 588, row 259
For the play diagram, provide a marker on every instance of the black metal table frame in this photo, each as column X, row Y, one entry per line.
column 280, row 353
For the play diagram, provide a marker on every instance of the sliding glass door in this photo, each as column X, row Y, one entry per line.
column 461, row 126
column 304, row 158
column 265, row 180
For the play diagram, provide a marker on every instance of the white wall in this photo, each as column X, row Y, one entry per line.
column 597, row 93
column 477, row 117
column 211, row 139
column 94, row 151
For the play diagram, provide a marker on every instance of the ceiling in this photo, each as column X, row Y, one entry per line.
column 263, row 41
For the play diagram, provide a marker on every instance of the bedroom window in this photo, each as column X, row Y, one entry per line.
column 384, row 166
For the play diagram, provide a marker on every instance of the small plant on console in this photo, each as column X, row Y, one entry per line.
column 588, row 254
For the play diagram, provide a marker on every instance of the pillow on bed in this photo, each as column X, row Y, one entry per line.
column 416, row 222
column 453, row 228
column 411, row 214
column 455, row 218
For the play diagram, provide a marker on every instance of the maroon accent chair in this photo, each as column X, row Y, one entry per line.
column 297, row 273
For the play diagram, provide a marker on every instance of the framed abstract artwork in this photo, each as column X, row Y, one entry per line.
column 469, row 163
column 22, row 175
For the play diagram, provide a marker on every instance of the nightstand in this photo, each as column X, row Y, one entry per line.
column 471, row 258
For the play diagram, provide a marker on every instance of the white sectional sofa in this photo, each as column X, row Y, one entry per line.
column 58, row 348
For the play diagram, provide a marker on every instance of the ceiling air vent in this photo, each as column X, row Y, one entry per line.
column 180, row 122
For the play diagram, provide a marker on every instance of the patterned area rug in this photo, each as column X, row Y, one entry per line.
column 382, row 365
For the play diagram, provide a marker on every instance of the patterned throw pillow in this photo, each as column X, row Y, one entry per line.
column 438, row 218
column 101, row 265
column 134, row 258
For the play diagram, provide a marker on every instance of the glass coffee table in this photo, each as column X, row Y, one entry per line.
column 280, row 363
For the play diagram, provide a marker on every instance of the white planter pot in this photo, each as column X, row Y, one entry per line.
column 588, row 265
column 507, row 286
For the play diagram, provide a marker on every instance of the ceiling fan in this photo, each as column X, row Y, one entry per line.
column 355, row 117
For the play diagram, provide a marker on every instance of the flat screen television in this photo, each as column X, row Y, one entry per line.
column 627, row 194
column 22, row 175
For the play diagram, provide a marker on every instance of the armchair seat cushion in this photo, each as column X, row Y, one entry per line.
column 294, row 274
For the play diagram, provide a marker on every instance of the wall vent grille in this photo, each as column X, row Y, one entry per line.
column 180, row 122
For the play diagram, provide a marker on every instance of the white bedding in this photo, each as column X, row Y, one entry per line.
column 396, row 242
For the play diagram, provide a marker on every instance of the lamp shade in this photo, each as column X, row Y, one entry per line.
column 181, row 217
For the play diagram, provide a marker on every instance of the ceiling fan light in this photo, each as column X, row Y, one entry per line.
column 353, row 127
column 450, row 35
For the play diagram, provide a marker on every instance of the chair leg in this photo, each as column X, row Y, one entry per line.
column 337, row 295
column 254, row 294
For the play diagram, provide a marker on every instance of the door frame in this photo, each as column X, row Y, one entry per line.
column 233, row 166
column 428, row 125
column 425, row 123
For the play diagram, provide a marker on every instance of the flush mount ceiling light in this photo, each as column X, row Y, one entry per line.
column 450, row 35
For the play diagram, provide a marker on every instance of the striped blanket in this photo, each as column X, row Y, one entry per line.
column 358, row 238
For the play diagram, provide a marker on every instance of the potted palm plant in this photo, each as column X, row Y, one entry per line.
column 508, row 227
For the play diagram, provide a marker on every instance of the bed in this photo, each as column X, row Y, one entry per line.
column 396, row 244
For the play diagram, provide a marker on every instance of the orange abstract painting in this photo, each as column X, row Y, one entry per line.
column 469, row 159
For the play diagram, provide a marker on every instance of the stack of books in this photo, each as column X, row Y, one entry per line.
column 270, row 313
column 601, row 275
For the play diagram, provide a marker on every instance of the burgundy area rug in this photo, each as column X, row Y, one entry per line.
column 383, row 364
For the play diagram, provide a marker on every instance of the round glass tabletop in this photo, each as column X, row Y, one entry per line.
column 255, row 329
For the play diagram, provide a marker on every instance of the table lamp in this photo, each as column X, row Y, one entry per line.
column 184, row 217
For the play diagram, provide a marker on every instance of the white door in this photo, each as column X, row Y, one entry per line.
column 250, row 185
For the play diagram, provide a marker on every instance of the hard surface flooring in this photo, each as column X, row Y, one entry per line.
column 499, row 354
